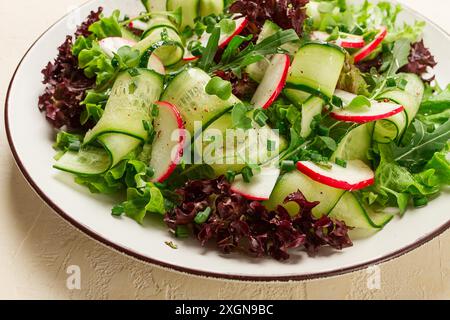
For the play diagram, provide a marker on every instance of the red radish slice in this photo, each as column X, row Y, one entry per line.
column 225, row 39
column 273, row 81
column 350, row 42
column 139, row 25
column 376, row 111
column 260, row 187
column 111, row 45
column 155, row 64
column 167, row 149
column 357, row 175
column 368, row 49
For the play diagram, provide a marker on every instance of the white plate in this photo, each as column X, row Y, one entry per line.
column 30, row 138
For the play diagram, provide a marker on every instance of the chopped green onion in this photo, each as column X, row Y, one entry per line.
column 118, row 210
column 247, row 174
column 390, row 82
column 133, row 72
column 341, row 162
column 230, row 176
column 287, row 165
column 420, row 202
column 155, row 110
column 182, row 232
column 260, row 118
column 203, row 216
column 402, row 84
column 323, row 131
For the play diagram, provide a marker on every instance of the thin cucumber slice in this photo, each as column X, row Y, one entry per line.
column 350, row 210
column 223, row 150
column 297, row 97
column 391, row 129
column 190, row 10
column 310, row 109
column 187, row 92
column 208, row 7
column 316, row 69
column 88, row 161
column 118, row 146
column 129, row 105
column 356, row 144
column 164, row 42
column 314, row 191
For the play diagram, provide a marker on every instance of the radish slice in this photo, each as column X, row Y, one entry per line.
column 139, row 25
column 368, row 49
column 350, row 42
column 112, row 45
column 273, row 81
column 357, row 175
column 167, row 150
column 155, row 64
column 376, row 111
column 260, row 187
column 225, row 39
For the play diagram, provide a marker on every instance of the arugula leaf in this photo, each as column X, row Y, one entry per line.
column 422, row 146
column 239, row 116
column 436, row 103
column 254, row 53
column 210, row 51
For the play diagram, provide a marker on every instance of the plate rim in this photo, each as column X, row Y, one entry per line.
column 185, row 270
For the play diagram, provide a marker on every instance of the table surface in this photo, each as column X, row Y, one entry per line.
column 37, row 247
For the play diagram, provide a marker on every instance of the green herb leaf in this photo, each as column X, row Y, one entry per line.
column 210, row 51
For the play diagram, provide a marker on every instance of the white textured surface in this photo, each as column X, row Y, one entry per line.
column 36, row 246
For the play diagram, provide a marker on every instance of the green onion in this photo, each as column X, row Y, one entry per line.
column 341, row 162
column 203, row 216
column 402, row 84
column 420, row 202
column 323, row 131
column 260, row 118
column 182, row 232
column 287, row 165
column 118, row 210
column 230, row 176
column 247, row 174
column 391, row 82
column 155, row 110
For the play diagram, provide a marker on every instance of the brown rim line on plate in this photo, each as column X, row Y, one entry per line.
column 135, row 255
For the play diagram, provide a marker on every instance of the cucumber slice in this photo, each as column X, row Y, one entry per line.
column 316, row 69
column 391, row 129
column 88, row 161
column 187, row 92
column 356, row 144
column 297, row 97
column 234, row 156
column 169, row 51
column 159, row 21
column 350, row 210
column 190, row 9
column 208, row 7
column 129, row 105
column 313, row 191
column 120, row 129
column 127, row 34
column 311, row 108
